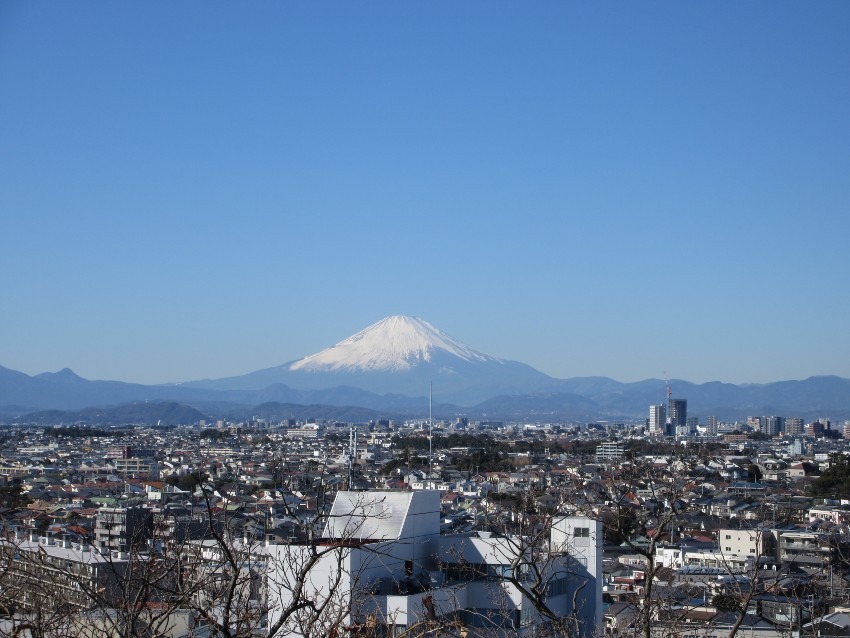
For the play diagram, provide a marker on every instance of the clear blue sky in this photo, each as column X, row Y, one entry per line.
column 201, row 189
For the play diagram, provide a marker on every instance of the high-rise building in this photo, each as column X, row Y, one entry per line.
column 793, row 426
column 657, row 419
column 771, row 425
column 677, row 413
column 711, row 426
column 815, row 429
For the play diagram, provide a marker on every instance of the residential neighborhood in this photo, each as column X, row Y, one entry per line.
column 700, row 532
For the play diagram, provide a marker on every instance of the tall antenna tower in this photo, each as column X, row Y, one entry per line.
column 430, row 421
column 352, row 453
column 669, row 391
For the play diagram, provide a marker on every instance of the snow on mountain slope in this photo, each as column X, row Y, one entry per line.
column 393, row 344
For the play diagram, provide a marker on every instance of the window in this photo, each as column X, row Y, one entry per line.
column 523, row 617
column 465, row 572
column 557, row 587
column 499, row 572
column 582, row 532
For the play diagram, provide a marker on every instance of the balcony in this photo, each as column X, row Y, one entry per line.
column 406, row 610
column 808, row 547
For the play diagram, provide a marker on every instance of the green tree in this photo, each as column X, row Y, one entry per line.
column 834, row 481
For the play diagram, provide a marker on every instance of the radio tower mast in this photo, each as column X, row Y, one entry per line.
column 352, row 453
column 430, row 444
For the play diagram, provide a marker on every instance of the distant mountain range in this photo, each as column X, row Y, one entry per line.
column 398, row 355
column 153, row 413
column 387, row 369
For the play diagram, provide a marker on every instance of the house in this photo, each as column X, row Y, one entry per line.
column 831, row 513
column 619, row 617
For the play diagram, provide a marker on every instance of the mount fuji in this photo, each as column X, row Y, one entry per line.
column 394, row 344
column 398, row 355
column 387, row 368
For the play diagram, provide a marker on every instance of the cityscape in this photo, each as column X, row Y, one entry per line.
column 424, row 320
column 662, row 526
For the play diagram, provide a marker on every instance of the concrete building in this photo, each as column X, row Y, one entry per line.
column 807, row 548
column 677, row 415
column 793, row 426
column 122, row 527
column 134, row 466
column 771, row 425
column 711, row 424
column 48, row 572
column 657, row 419
column 746, row 542
column 609, row 451
column 815, row 429
column 383, row 552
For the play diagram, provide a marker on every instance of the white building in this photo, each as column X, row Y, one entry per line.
column 743, row 542
column 382, row 552
column 68, row 569
column 610, row 450
column 657, row 419
column 831, row 513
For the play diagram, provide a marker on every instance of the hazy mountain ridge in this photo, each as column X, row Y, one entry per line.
column 164, row 413
column 389, row 366
column 275, row 411
column 460, row 381
column 606, row 399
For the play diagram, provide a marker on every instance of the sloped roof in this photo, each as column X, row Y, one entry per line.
column 367, row 515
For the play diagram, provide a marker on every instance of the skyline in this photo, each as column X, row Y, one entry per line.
column 203, row 190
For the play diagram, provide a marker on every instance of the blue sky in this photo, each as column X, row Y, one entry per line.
column 202, row 189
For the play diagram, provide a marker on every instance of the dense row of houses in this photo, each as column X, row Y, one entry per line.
column 714, row 524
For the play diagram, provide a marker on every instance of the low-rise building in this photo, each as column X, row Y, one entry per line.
column 385, row 552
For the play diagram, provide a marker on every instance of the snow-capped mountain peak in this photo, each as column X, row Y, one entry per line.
column 392, row 344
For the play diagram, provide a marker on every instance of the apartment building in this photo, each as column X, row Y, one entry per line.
column 46, row 572
column 122, row 527
column 745, row 542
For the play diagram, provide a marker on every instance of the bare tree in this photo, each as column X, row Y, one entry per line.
column 366, row 567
